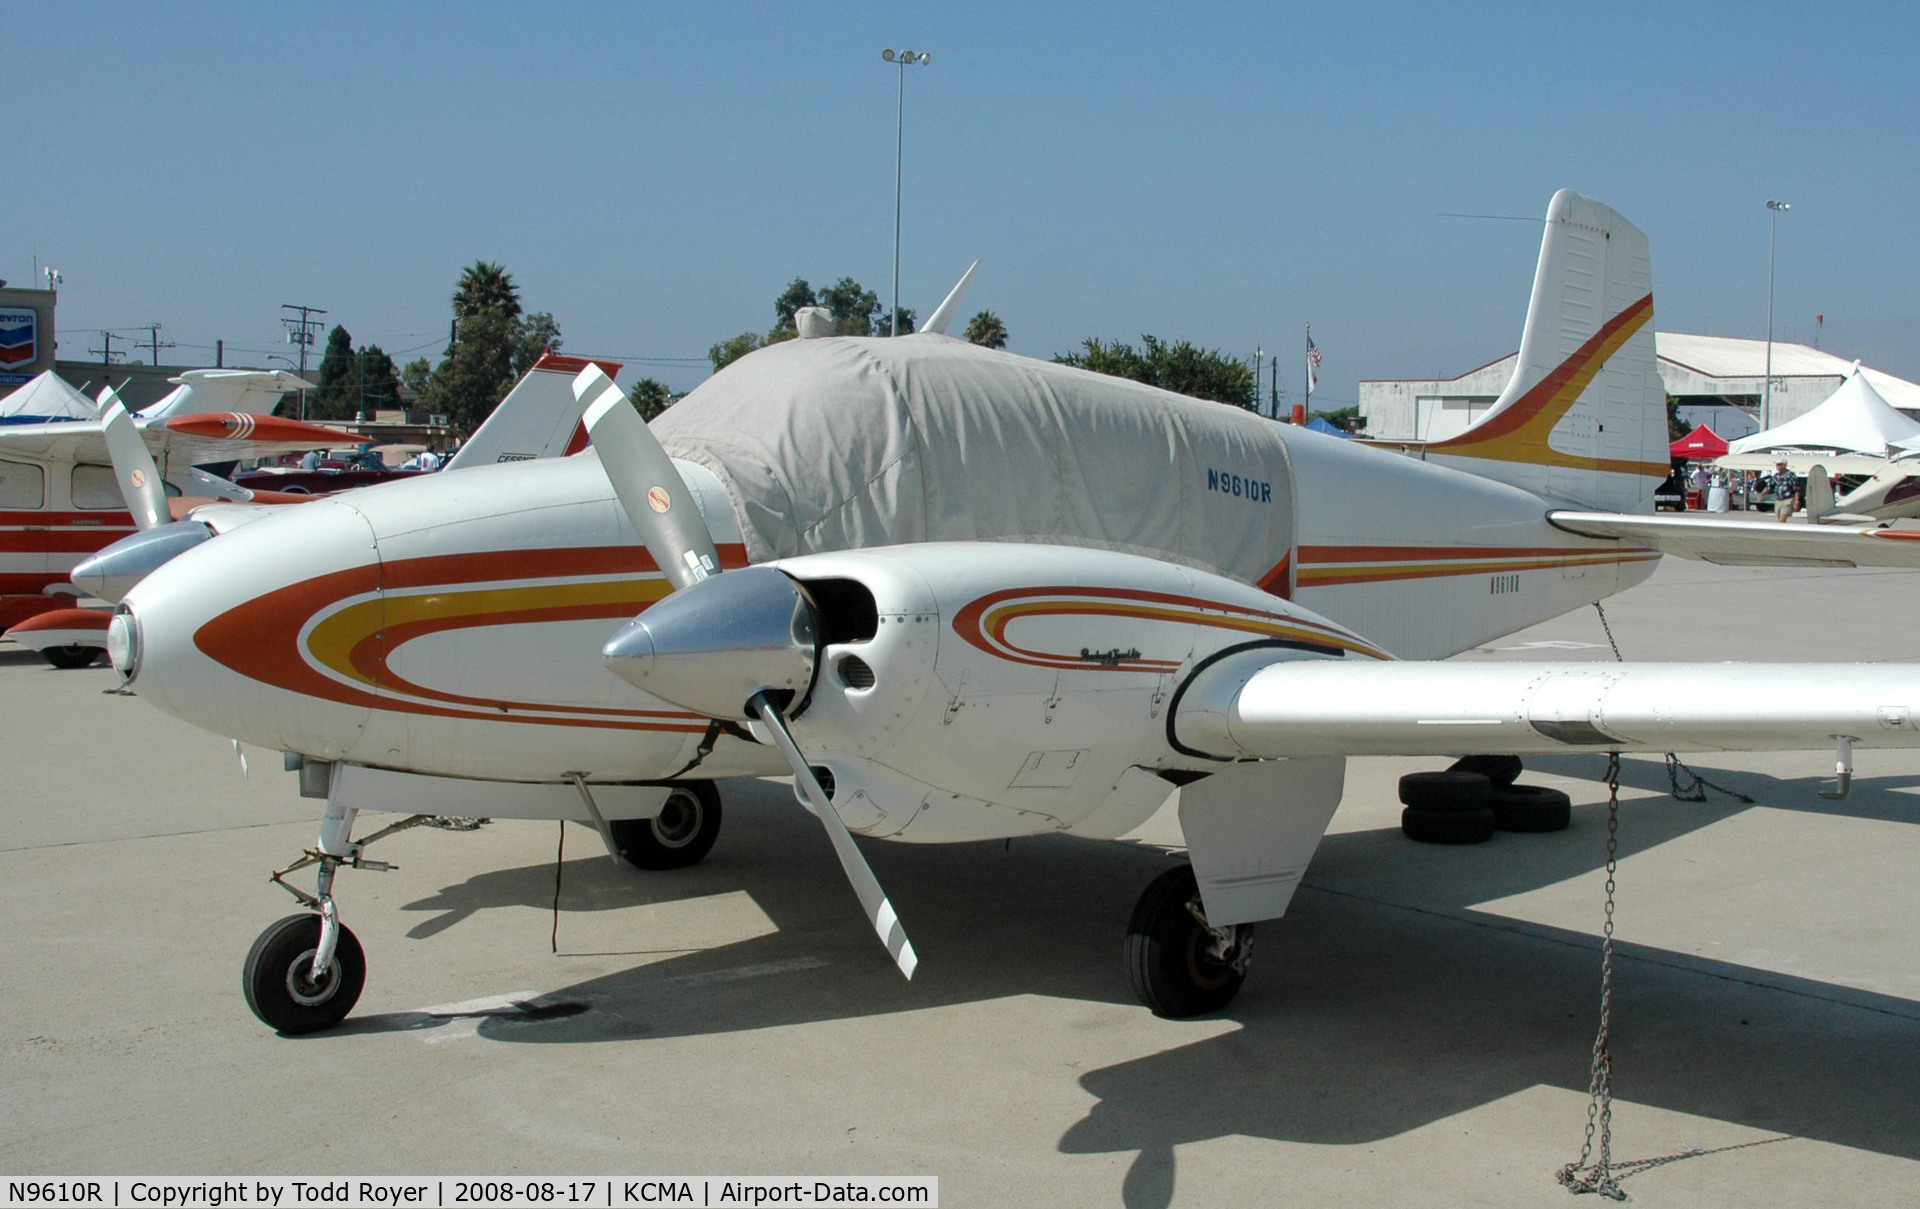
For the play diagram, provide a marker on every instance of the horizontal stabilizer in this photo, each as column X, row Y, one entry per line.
column 1334, row 707
column 1751, row 543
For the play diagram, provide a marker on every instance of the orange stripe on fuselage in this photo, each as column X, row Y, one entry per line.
column 259, row 639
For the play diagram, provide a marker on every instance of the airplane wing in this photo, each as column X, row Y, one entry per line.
column 1268, row 709
column 181, row 440
column 214, row 390
column 1751, row 543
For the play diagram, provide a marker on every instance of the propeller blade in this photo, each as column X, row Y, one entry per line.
column 873, row 899
column 133, row 467
column 658, row 502
column 942, row 316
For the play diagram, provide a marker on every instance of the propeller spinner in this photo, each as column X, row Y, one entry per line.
column 738, row 646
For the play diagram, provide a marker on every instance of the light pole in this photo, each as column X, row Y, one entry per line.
column 901, row 58
column 1774, row 210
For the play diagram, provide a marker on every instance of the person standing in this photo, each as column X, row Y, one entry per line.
column 1785, row 486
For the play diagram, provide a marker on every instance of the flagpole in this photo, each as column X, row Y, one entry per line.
column 1308, row 409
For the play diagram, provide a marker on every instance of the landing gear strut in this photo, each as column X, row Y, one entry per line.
column 305, row 973
column 1179, row 963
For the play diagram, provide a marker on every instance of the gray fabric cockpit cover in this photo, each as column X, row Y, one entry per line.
column 847, row 442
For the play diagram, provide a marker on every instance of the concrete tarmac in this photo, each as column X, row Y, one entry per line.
column 1417, row 1031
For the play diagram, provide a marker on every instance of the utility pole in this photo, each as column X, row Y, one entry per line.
column 153, row 336
column 106, row 353
column 300, row 331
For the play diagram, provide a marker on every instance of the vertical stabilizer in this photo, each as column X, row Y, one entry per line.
column 539, row 418
column 1583, row 420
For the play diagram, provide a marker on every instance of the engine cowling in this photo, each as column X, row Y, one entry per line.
column 978, row 690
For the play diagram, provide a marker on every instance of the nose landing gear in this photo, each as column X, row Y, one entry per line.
column 305, row 973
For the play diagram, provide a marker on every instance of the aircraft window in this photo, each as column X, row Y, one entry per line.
column 22, row 485
column 94, row 487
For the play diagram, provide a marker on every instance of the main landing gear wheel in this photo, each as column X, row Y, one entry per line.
column 680, row 835
column 279, row 980
column 1179, row 964
column 67, row 658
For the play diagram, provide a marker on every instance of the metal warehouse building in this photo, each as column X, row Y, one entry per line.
column 1718, row 380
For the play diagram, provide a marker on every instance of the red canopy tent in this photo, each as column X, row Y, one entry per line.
column 1700, row 444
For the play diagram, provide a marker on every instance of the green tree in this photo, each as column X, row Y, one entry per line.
column 338, row 381
column 1676, row 427
column 1181, row 367
column 856, row 309
column 797, row 294
column 986, row 330
column 417, row 373
column 650, row 398
column 532, row 336
column 492, row 346
column 907, row 319
column 727, row 352
column 485, row 286
column 379, row 381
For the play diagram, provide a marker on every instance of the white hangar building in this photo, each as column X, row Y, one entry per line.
column 1717, row 379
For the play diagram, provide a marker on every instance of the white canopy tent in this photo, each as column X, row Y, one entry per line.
column 47, row 398
column 1854, row 419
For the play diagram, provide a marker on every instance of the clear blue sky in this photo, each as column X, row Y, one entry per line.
column 654, row 174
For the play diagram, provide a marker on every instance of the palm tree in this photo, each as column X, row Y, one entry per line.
column 486, row 287
column 985, row 329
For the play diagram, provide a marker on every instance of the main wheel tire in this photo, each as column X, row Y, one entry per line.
column 1165, row 951
column 277, row 984
column 67, row 658
column 1530, row 808
column 1430, row 826
column 680, row 835
column 1500, row 770
column 1445, row 790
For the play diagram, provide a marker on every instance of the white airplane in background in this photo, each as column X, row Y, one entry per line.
column 59, row 501
column 960, row 594
column 539, row 418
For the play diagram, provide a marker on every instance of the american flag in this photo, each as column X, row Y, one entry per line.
column 1313, row 365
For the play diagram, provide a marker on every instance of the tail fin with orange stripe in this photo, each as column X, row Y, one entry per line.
column 1583, row 420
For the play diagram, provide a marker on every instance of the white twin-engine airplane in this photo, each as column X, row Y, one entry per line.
column 959, row 595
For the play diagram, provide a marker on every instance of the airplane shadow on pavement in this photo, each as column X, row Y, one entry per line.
column 1383, row 1002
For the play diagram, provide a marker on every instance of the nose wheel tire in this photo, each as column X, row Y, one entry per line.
column 1170, row 953
column 278, row 978
column 680, row 835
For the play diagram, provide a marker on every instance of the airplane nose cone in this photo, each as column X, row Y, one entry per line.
column 710, row 647
column 216, row 634
column 110, row 573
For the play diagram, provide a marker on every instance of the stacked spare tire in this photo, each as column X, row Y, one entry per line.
column 1474, row 798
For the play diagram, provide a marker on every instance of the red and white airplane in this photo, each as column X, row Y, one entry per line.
column 60, row 502
column 960, row 594
column 49, row 556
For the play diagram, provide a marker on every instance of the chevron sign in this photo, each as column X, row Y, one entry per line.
column 18, row 345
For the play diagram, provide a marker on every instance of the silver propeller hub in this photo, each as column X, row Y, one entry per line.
column 111, row 572
column 713, row 646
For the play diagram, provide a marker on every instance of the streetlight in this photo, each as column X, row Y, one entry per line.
column 902, row 58
column 1774, row 210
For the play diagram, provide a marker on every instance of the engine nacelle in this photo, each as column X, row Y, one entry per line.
column 979, row 690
